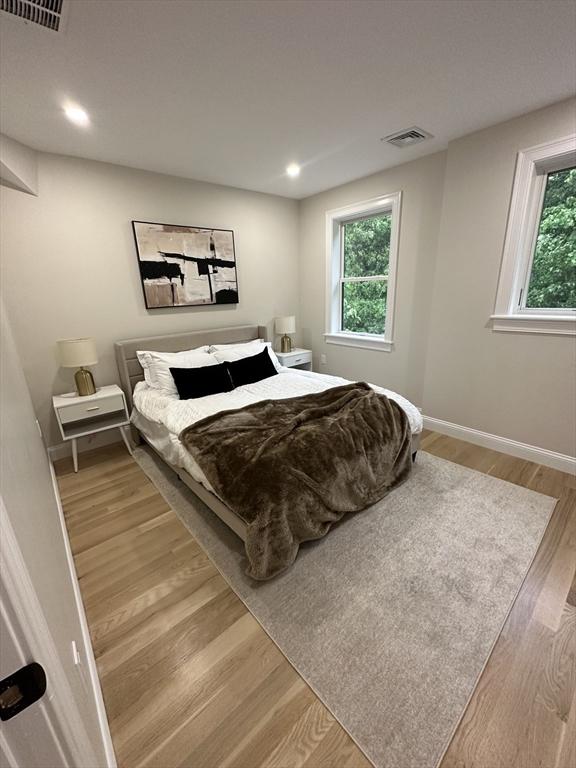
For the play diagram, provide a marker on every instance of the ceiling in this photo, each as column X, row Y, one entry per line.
column 232, row 92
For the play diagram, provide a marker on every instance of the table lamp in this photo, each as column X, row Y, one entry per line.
column 76, row 353
column 285, row 325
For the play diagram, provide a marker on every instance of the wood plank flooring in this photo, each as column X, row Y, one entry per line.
column 190, row 678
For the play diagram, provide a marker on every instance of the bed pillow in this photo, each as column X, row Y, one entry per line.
column 203, row 381
column 156, row 366
column 227, row 353
column 249, row 370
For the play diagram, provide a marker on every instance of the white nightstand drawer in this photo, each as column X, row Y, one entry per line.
column 298, row 359
column 91, row 408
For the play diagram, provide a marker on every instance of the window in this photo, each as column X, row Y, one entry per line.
column 365, row 245
column 362, row 243
column 551, row 275
column 537, row 286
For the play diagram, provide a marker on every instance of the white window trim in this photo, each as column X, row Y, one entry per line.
column 510, row 312
column 334, row 218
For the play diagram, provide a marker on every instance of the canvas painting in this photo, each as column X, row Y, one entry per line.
column 185, row 266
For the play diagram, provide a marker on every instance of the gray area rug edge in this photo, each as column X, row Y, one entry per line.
column 225, row 551
column 497, row 635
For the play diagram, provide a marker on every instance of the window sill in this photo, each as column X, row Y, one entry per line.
column 364, row 341
column 559, row 325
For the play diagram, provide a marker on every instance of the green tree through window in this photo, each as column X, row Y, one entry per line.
column 366, row 244
column 553, row 276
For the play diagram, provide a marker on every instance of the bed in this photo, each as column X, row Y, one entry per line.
column 159, row 421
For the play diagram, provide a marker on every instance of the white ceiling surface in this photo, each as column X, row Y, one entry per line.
column 231, row 92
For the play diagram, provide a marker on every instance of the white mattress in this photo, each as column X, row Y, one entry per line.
column 161, row 418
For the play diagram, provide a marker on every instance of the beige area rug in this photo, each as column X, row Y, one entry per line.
column 391, row 617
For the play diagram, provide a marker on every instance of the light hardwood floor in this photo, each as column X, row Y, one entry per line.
column 190, row 678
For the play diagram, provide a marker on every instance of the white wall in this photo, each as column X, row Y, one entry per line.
column 18, row 165
column 421, row 182
column 69, row 264
column 516, row 385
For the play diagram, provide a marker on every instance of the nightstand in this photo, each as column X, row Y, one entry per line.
column 298, row 358
column 80, row 416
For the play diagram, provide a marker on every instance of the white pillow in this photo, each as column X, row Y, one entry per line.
column 157, row 366
column 236, row 345
column 227, row 353
column 145, row 357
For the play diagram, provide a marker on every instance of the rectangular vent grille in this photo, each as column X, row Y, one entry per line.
column 408, row 137
column 45, row 13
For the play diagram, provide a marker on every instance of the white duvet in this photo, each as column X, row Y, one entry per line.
column 177, row 414
column 170, row 415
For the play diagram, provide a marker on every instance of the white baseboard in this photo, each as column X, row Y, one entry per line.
column 521, row 450
column 59, row 451
column 62, row 450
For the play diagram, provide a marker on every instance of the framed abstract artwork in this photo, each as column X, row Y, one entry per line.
column 185, row 266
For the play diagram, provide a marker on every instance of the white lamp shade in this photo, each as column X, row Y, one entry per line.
column 285, row 324
column 75, row 353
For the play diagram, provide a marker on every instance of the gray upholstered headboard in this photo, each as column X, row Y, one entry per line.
column 131, row 371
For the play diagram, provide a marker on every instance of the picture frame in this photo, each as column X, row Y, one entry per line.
column 185, row 266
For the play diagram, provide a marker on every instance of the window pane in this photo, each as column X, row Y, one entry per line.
column 367, row 246
column 364, row 306
column 553, row 278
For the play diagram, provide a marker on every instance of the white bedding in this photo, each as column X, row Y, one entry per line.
column 170, row 415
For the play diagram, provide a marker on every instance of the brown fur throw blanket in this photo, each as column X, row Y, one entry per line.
column 292, row 468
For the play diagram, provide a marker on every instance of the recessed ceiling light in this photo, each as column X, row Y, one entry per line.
column 76, row 115
column 293, row 170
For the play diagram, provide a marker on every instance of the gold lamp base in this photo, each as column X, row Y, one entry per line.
column 84, row 382
column 286, row 343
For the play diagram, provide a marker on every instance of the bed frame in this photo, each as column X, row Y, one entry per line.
column 131, row 373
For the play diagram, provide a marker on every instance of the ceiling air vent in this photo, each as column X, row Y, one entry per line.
column 45, row 13
column 408, row 137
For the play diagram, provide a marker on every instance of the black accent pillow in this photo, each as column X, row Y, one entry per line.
column 200, row 382
column 251, row 369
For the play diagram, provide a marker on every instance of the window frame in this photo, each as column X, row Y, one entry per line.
column 511, row 313
column 335, row 221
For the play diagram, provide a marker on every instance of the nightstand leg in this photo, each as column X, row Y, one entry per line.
column 75, row 454
column 126, row 439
